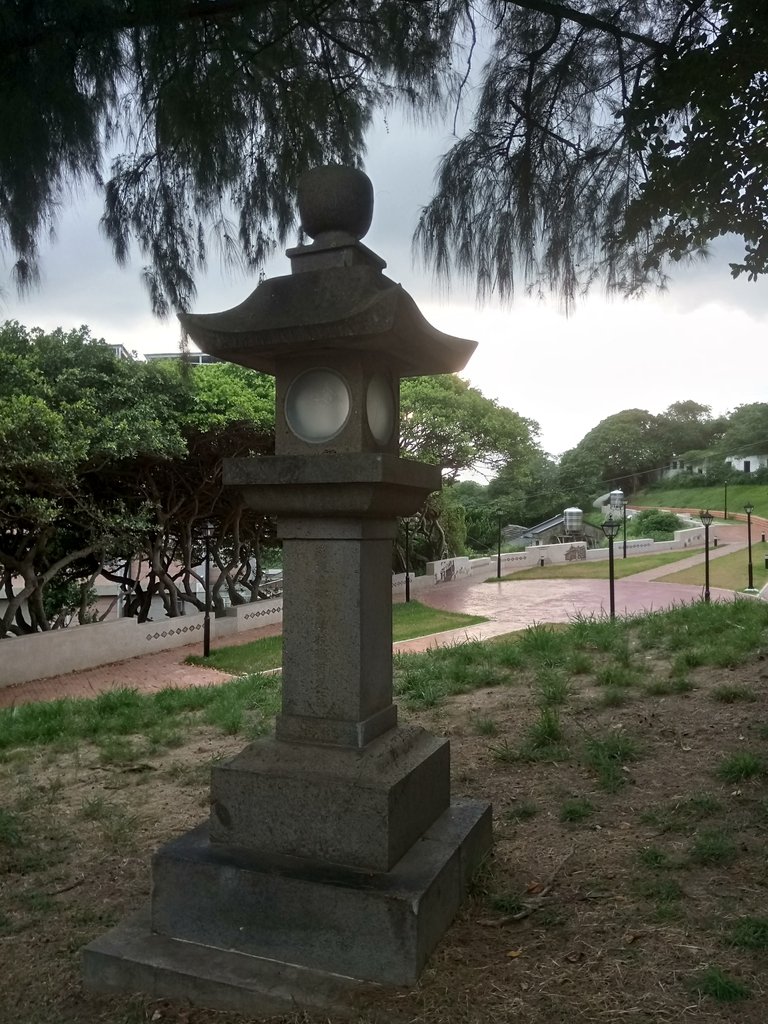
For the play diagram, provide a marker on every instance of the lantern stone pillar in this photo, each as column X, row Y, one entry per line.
column 334, row 857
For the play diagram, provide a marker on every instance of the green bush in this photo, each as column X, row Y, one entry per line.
column 656, row 524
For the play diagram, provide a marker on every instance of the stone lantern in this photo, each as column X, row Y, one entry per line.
column 334, row 856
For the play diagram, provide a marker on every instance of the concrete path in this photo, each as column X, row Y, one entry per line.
column 508, row 606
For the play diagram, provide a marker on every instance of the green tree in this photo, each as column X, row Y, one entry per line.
column 606, row 139
column 213, row 108
column 112, row 466
column 444, row 420
column 619, row 451
column 68, row 408
column 690, row 427
column 746, row 432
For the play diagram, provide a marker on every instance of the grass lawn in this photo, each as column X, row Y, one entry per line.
column 408, row 620
column 706, row 497
column 598, row 570
column 626, row 763
column 727, row 571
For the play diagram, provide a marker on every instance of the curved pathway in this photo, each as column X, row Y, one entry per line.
column 508, row 606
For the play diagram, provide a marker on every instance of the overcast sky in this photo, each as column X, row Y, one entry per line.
column 704, row 339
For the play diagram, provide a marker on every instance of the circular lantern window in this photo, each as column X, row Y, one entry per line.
column 380, row 408
column 317, row 405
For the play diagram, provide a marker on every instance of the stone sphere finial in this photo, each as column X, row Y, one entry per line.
column 335, row 200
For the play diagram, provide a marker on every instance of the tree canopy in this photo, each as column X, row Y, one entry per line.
column 445, row 420
column 112, row 466
column 606, row 140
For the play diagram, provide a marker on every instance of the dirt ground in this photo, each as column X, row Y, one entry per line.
column 611, row 916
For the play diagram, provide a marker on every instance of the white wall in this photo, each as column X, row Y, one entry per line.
column 71, row 650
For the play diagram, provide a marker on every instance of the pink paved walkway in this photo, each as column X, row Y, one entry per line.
column 508, row 606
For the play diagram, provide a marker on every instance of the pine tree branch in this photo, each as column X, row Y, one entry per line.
column 591, row 21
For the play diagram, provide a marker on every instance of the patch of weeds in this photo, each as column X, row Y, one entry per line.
column 579, row 663
column 544, row 645
column 485, row 726
column 662, row 890
column 749, row 933
column 658, row 687
column 716, row 983
column 541, row 755
column 615, row 675
column 190, row 774
column 762, row 731
column 682, row 663
column 523, row 811
column 682, row 684
column 508, row 655
column 120, row 828
column 426, row 679
column 596, row 632
column 482, row 876
column 577, row 810
column 506, row 903
column 118, row 750
column 246, row 703
column 607, row 755
column 51, row 790
column 551, row 917
column 163, row 737
column 739, row 767
column 95, row 808
column 732, row 694
column 504, row 751
column 679, row 684
column 36, row 901
column 10, row 828
column 701, row 805
column 546, row 730
column 665, row 893
column 711, row 848
column 655, row 858
column 613, row 697
column 682, row 814
column 551, row 687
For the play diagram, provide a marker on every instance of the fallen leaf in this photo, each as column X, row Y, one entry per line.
column 513, row 953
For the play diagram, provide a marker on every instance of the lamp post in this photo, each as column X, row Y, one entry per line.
column 498, row 549
column 610, row 528
column 706, row 519
column 207, row 531
column 616, row 502
column 407, row 561
column 749, row 508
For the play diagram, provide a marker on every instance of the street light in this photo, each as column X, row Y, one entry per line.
column 610, row 528
column 498, row 549
column 749, row 508
column 706, row 519
column 407, row 561
column 617, row 502
column 207, row 534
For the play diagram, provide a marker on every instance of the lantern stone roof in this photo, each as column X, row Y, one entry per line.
column 342, row 308
column 335, row 299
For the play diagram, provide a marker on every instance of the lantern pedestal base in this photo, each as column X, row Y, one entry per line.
column 230, row 929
